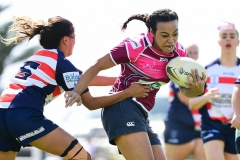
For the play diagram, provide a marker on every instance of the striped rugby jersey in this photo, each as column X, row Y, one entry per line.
column 142, row 63
column 43, row 77
column 223, row 78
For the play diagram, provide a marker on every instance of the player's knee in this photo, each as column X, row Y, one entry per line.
column 76, row 152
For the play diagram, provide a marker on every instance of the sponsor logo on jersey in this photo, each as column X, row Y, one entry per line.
column 163, row 59
column 152, row 67
column 153, row 85
column 71, row 79
column 214, row 79
column 223, row 101
column 228, row 73
column 180, row 47
column 31, row 134
column 134, row 43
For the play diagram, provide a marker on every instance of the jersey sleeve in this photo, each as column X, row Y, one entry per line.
column 67, row 75
column 174, row 87
column 238, row 80
column 128, row 50
column 57, row 91
column 181, row 50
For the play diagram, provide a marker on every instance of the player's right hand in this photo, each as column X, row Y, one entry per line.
column 235, row 122
column 212, row 94
column 138, row 90
column 197, row 84
column 71, row 97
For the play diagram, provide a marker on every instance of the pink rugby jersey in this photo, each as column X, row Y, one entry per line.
column 141, row 63
column 43, row 77
column 223, row 78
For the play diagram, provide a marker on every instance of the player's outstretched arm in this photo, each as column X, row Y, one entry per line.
column 92, row 103
column 103, row 81
column 88, row 76
column 199, row 101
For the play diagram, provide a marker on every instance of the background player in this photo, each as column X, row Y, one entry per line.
column 182, row 125
column 215, row 105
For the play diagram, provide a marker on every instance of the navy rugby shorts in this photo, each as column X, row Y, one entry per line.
column 175, row 133
column 237, row 140
column 20, row 126
column 127, row 117
column 216, row 130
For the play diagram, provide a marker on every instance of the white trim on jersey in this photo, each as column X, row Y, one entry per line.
column 48, row 60
column 125, row 43
column 37, row 82
column 11, row 91
column 197, row 117
column 112, row 59
column 148, row 41
column 21, row 82
column 149, row 57
column 30, row 82
column 4, row 104
column 144, row 108
column 41, row 74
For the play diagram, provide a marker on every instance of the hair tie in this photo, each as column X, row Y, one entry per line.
column 226, row 24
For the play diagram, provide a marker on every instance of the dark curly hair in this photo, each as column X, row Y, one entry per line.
column 161, row 15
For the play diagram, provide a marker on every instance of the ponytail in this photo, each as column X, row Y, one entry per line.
column 23, row 27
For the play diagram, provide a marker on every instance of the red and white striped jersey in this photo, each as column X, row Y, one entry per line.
column 223, row 78
column 43, row 77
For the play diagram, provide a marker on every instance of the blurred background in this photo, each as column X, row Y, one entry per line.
column 97, row 24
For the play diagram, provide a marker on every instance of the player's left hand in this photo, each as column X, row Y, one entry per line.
column 235, row 121
column 71, row 97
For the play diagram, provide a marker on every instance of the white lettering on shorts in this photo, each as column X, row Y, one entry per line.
column 130, row 124
column 31, row 134
column 208, row 136
column 173, row 135
column 173, row 140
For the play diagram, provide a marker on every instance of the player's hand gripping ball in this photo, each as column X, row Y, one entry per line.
column 179, row 68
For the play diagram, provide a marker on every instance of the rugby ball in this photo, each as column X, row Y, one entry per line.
column 179, row 68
